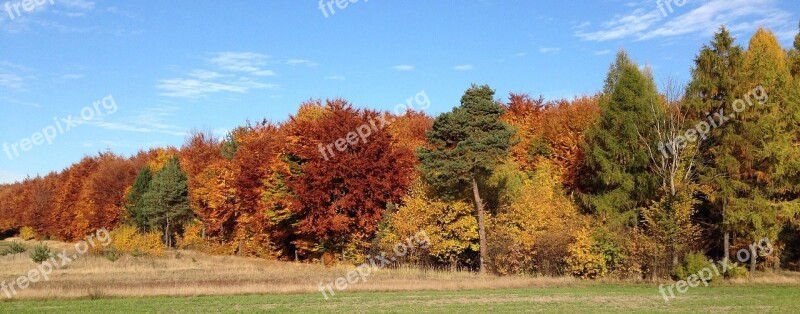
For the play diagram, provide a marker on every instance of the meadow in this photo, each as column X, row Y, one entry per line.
column 187, row 282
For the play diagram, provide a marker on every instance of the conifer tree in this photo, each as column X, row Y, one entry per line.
column 618, row 177
column 466, row 145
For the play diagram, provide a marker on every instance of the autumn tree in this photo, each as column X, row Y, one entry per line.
column 466, row 145
column 346, row 168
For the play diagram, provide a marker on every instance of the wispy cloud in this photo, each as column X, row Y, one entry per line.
column 244, row 62
column 549, row 50
column 463, row 67
column 403, row 68
column 647, row 21
column 234, row 72
column 304, row 62
column 602, row 52
column 335, row 78
column 149, row 120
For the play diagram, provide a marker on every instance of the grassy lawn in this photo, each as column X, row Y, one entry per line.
column 587, row 299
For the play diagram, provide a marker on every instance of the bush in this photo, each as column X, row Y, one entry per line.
column 128, row 240
column 27, row 233
column 16, row 248
column 192, row 238
column 40, row 253
column 693, row 263
column 735, row 272
column 112, row 254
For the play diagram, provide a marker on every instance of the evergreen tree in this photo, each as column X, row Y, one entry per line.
column 618, row 177
column 466, row 145
column 135, row 201
column 167, row 200
column 715, row 85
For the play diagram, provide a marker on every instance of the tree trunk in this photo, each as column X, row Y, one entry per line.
column 481, row 225
column 166, row 235
column 753, row 260
column 727, row 245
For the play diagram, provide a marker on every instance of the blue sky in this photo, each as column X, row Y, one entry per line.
column 173, row 66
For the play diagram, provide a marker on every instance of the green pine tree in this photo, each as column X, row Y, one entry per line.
column 618, row 177
column 167, row 200
column 135, row 199
column 468, row 143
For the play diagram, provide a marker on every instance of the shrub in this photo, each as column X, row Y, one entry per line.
column 112, row 254
column 584, row 260
column 127, row 240
column 737, row 271
column 27, row 233
column 16, row 248
column 40, row 253
column 693, row 263
column 192, row 238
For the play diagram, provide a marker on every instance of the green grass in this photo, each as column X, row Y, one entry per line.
column 587, row 299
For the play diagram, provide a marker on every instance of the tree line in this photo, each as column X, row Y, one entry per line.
column 630, row 182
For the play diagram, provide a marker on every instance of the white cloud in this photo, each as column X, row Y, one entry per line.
column 548, row 50
column 235, row 72
column 246, row 62
column 191, row 88
column 403, row 68
column 463, row 67
column 602, row 52
column 335, row 78
column 305, row 62
column 149, row 120
column 647, row 21
column 11, row 81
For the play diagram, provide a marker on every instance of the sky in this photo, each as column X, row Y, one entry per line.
column 78, row 77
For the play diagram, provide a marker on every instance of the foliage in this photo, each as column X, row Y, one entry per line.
column 693, row 263
column 27, row 233
column 584, row 260
column 128, row 240
column 450, row 225
column 532, row 233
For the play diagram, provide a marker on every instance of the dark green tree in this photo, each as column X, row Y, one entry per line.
column 466, row 145
column 167, row 200
column 618, row 178
column 135, row 199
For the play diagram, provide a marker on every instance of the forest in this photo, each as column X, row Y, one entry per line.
column 640, row 180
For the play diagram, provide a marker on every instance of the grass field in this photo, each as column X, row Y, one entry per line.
column 587, row 299
column 190, row 282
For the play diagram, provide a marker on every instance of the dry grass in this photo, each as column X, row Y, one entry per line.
column 187, row 273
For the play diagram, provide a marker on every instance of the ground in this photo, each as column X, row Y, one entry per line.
column 190, row 282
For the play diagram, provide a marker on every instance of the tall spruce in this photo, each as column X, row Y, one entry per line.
column 618, row 179
column 715, row 85
column 137, row 211
column 466, row 145
column 167, row 200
